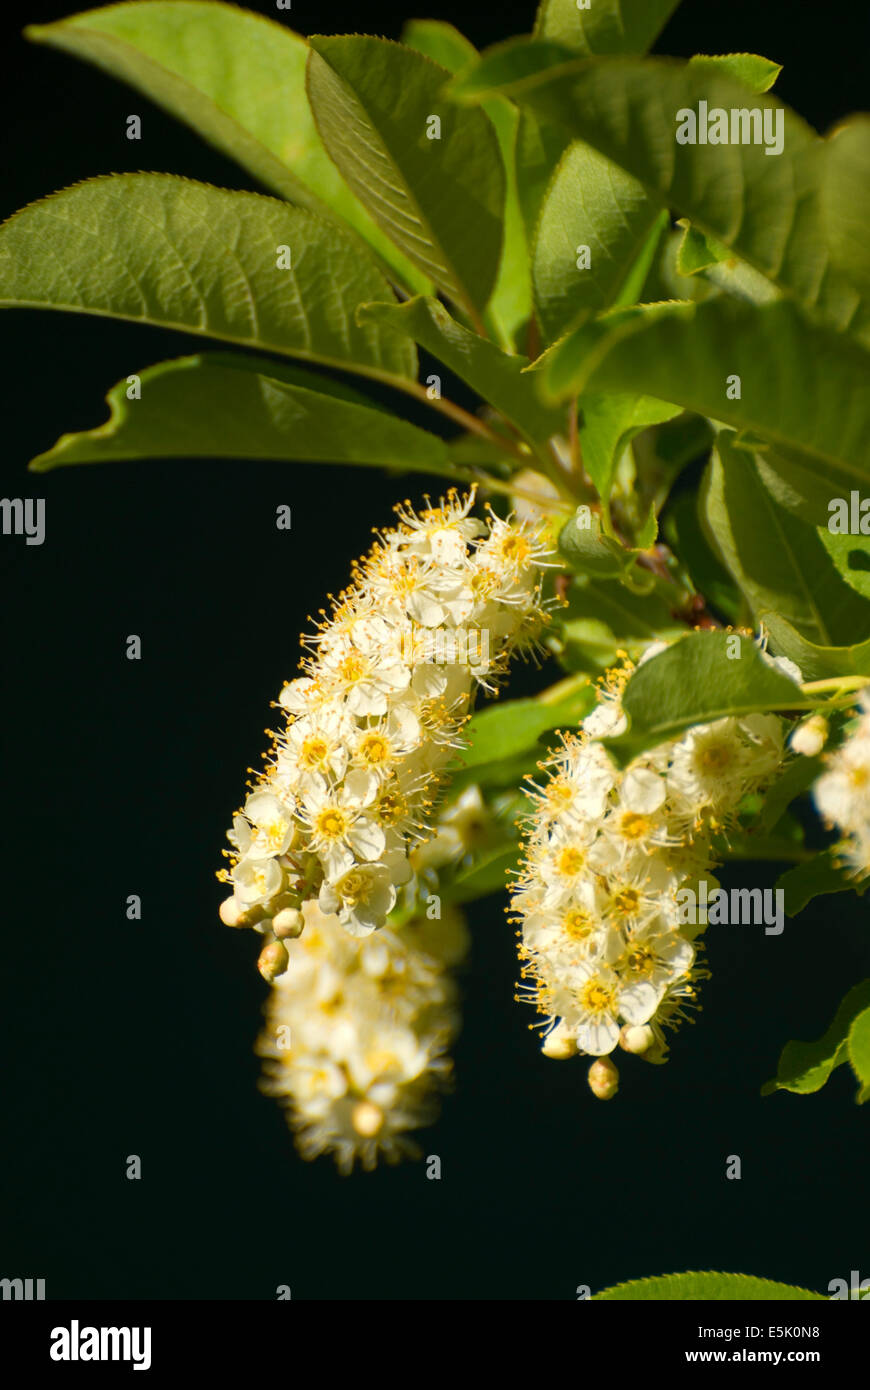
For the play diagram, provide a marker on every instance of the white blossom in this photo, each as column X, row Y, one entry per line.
column 842, row 793
column 434, row 610
column 605, row 855
column 356, row 1036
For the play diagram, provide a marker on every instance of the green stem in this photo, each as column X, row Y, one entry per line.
column 555, row 694
column 835, row 683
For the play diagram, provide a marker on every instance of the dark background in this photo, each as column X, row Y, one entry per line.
column 120, row 777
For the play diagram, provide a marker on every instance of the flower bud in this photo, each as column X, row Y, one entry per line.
column 231, row 914
column 603, row 1078
column 637, row 1038
column 273, row 961
column 559, row 1044
column 367, row 1119
column 809, row 738
column 289, row 922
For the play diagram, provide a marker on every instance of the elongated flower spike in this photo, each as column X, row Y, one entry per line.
column 436, row 608
column 610, row 955
column 356, row 1036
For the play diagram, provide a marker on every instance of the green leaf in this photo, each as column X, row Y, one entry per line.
column 514, row 726
column 644, row 263
column 602, row 618
column 858, row 1044
column 488, row 875
column 608, row 424
column 238, row 79
column 755, row 72
column 441, row 42
column 692, row 353
column 707, row 1285
column 606, row 26
column 817, row 663
column 609, row 26
column 588, row 550
column 798, row 777
column 780, row 214
column 850, row 555
column 498, row 377
column 805, row 1067
column 152, row 248
column 228, row 406
column 695, row 682
column 441, row 201
column 511, row 303
column 539, row 147
column 662, row 452
column 684, row 533
column 845, row 199
column 698, row 251
column 777, row 560
column 592, row 209
column 820, row 875
column 799, row 485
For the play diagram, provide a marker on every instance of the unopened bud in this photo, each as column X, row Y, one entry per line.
column 367, row 1119
column 288, row 923
column 231, row 914
column 273, row 961
column 559, row 1044
column 603, row 1078
column 811, row 736
column 637, row 1038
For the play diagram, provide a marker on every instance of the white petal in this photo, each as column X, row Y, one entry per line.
column 639, row 1002
column 366, row 839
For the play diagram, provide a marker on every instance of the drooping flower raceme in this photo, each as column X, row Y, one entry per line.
column 435, row 609
column 842, row 794
column 608, row 948
column 357, row 1032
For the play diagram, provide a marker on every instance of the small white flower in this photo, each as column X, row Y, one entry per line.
column 361, row 898
column 273, row 824
column 340, row 830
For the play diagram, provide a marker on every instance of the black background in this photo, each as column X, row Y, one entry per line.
column 119, row 777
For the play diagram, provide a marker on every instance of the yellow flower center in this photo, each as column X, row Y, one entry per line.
column 353, row 668
column 375, row 749
column 597, row 998
column 314, row 751
column 634, row 826
column 484, row 582
column 640, row 960
column 353, row 888
column 380, row 1059
column 626, row 901
column 577, row 924
column 515, row 548
column 560, row 793
column 569, row 861
column 715, row 756
column 332, row 822
column 391, row 807
column 275, row 833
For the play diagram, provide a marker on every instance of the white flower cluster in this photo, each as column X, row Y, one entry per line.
column 842, row 794
column 356, row 1035
column 436, row 608
column 603, row 935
